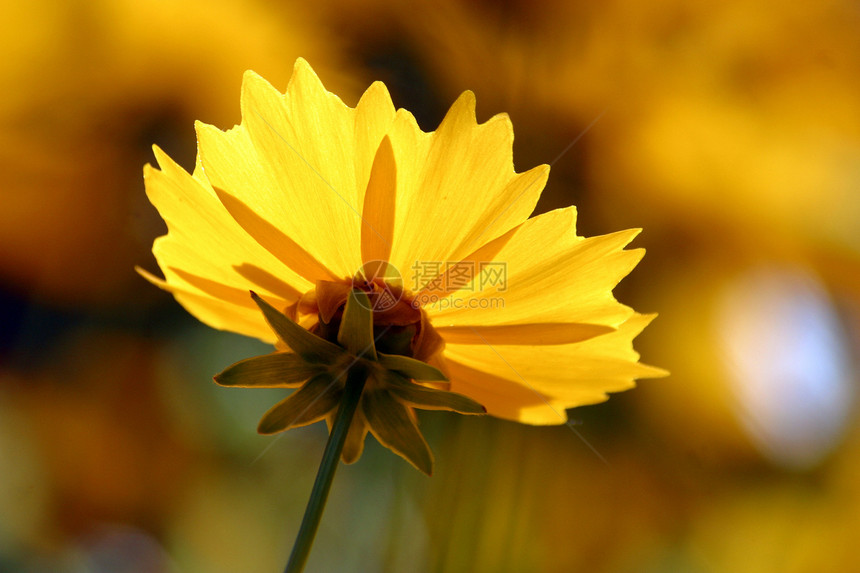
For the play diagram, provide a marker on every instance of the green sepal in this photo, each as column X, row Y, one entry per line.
column 308, row 404
column 310, row 347
column 430, row 398
column 393, row 425
column 276, row 370
column 397, row 340
column 353, row 447
column 356, row 326
column 411, row 368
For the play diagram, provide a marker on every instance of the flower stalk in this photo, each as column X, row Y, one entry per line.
column 355, row 381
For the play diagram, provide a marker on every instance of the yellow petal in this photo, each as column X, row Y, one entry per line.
column 505, row 399
column 285, row 249
column 217, row 312
column 300, row 161
column 543, row 273
column 374, row 116
column 205, row 251
column 532, row 334
column 378, row 210
column 456, row 187
column 569, row 375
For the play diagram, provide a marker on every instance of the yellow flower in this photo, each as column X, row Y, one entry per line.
column 323, row 209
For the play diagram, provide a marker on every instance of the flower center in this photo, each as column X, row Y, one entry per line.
column 399, row 326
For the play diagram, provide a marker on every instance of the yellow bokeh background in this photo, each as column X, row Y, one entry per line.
column 730, row 133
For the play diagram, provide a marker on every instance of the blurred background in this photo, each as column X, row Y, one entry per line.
column 730, row 133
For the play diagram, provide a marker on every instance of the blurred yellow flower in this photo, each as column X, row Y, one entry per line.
column 308, row 202
column 87, row 88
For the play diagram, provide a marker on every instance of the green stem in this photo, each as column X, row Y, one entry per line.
column 355, row 380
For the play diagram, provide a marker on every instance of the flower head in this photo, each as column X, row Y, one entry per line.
column 408, row 254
